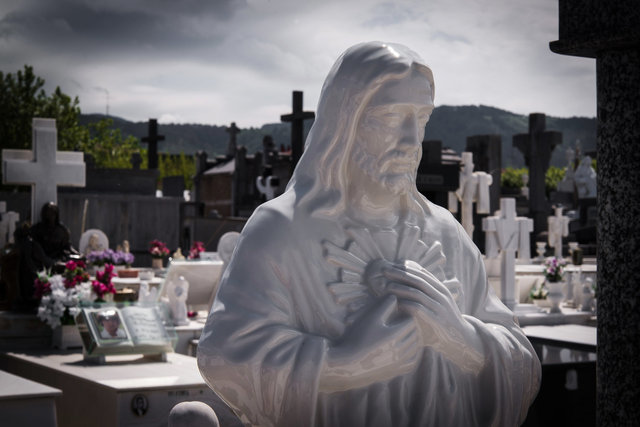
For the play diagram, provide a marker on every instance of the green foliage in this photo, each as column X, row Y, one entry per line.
column 180, row 165
column 22, row 98
column 108, row 147
column 512, row 177
column 551, row 179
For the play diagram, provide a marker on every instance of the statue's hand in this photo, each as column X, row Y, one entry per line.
column 442, row 325
column 374, row 348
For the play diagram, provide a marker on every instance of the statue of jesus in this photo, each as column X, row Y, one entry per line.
column 351, row 300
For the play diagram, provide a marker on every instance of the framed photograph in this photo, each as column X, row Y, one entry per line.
column 109, row 325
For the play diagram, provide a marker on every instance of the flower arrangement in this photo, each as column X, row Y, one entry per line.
column 122, row 258
column 109, row 256
column 61, row 294
column 158, row 249
column 100, row 258
column 196, row 248
column 554, row 269
column 102, row 284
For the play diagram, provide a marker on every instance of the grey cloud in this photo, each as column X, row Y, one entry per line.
column 388, row 13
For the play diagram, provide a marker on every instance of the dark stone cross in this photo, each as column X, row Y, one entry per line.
column 297, row 118
column 536, row 147
column 232, row 147
column 608, row 31
column 152, row 139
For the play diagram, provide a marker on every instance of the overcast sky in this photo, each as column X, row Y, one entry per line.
column 218, row 61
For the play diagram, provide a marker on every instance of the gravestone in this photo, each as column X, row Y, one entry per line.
column 152, row 139
column 558, row 228
column 297, row 118
column 173, row 186
column 536, row 147
column 232, row 146
column 474, row 187
column 487, row 157
column 436, row 179
column 508, row 234
column 608, row 31
column 43, row 168
column 136, row 161
column 8, row 221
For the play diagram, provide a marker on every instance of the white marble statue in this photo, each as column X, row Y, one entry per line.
column 177, row 292
column 351, row 300
column 147, row 294
column 267, row 186
column 93, row 240
column 568, row 184
column 474, row 187
column 558, row 228
column 505, row 234
column 586, row 179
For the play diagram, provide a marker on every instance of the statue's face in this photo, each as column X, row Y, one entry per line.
column 390, row 132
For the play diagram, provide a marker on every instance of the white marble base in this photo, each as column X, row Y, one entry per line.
column 26, row 403
column 113, row 389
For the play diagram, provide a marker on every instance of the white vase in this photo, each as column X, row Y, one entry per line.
column 156, row 263
column 555, row 295
column 66, row 337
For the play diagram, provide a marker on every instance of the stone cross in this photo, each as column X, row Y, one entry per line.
column 474, row 187
column 558, row 228
column 43, row 168
column 297, row 118
column 507, row 233
column 232, row 146
column 487, row 157
column 152, row 139
column 536, row 147
column 8, row 222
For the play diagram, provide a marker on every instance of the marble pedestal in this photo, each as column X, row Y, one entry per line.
column 126, row 391
column 26, row 403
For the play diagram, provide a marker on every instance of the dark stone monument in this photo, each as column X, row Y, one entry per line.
column 136, row 161
column 536, row 147
column 435, row 179
column 297, row 118
column 152, row 139
column 609, row 31
column 232, row 147
column 487, row 157
column 173, row 186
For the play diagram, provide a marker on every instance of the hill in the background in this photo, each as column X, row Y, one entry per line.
column 451, row 125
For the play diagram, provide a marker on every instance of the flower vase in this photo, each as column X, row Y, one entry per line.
column 156, row 263
column 555, row 295
column 66, row 337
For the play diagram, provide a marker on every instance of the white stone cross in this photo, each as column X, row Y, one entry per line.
column 558, row 228
column 43, row 168
column 474, row 187
column 8, row 222
column 508, row 233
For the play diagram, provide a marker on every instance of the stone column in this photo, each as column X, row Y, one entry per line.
column 608, row 31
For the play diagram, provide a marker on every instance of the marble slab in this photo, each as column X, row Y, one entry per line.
column 128, row 390
column 564, row 335
column 26, row 403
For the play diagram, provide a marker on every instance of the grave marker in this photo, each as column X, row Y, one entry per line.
column 508, row 234
column 536, row 147
column 558, row 228
column 43, row 167
column 232, row 147
column 152, row 139
column 297, row 118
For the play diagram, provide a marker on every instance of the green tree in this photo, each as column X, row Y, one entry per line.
column 22, row 98
column 182, row 165
column 109, row 148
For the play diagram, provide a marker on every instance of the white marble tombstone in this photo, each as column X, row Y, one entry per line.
column 177, row 291
column 474, row 188
column 351, row 300
column 8, row 221
column 43, row 168
column 509, row 234
column 558, row 228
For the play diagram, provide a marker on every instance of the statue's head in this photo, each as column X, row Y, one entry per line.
column 369, row 122
column 49, row 214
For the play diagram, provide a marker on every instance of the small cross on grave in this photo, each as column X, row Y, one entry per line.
column 43, row 168
column 536, row 147
column 233, row 146
column 8, row 222
column 508, row 234
column 297, row 118
column 153, row 140
column 558, row 228
column 474, row 187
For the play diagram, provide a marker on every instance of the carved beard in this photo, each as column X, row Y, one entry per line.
column 398, row 183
